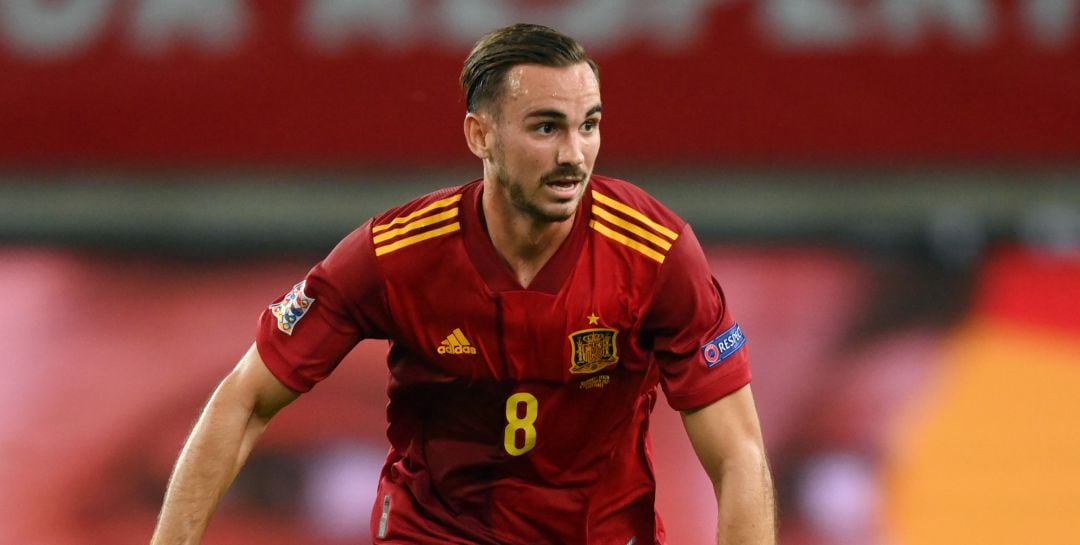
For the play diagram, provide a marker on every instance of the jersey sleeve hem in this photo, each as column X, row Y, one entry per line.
column 279, row 367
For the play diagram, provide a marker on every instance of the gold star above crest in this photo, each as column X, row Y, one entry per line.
column 593, row 319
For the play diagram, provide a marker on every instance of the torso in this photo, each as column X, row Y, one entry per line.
column 494, row 385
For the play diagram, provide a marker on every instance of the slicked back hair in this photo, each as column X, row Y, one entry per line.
column 484, row 74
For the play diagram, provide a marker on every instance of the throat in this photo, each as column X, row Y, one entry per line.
column 524, row 243
column 527, row 252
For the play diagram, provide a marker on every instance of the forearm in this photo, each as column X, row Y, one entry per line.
column 214, row 453
column 745, row 503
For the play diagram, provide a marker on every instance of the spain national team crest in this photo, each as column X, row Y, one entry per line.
column 292, row 308
column 592, row 350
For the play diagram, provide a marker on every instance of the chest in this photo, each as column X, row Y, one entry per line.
column 457, row 327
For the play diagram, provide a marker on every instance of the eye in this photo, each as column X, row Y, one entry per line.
column 545, row 128
column 590, row 125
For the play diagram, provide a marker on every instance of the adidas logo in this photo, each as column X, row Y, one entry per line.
column 456, row 343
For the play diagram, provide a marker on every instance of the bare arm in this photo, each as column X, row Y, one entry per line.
column 219, row 444
column 727, row 439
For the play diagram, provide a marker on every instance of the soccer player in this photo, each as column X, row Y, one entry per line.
column 531, row 314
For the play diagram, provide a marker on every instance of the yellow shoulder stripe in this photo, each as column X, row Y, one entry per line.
column 634, row 230
column 623, row 239
column 420, row 223
column 442, row 203
column 388, row 237
column 407, row 241
column 616, row 220
column 635, row 215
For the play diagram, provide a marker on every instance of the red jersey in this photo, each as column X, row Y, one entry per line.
column 517, row 415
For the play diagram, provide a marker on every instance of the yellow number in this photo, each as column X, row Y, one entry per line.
column 514, row 423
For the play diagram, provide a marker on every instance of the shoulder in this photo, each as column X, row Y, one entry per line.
column 428, row 217
column 605, row 190
column 625, row 213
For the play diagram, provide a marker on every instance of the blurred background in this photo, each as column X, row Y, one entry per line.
column 887, row 189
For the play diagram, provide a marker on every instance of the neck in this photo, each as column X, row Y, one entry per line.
column 525, row 243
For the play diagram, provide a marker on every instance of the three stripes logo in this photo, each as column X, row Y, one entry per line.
column 630, row 227
column 436, row 219
column 456, row 343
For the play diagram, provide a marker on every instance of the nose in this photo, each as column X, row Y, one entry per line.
column 571, row 150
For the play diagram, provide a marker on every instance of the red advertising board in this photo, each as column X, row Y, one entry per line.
column 316, row 83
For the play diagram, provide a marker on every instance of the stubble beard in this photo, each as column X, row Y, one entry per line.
column 529, row 207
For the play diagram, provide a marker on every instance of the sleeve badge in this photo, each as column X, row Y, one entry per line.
column 292, row 308
column 723, row 346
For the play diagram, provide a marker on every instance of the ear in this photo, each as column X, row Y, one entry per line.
column 477, row 130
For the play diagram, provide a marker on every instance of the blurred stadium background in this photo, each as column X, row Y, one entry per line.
column 888, row 190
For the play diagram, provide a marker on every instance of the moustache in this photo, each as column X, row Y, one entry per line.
column 564, row 173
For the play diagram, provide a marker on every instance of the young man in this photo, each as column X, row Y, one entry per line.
column 531, row 315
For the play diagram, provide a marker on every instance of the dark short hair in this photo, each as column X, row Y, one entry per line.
column 496, row 53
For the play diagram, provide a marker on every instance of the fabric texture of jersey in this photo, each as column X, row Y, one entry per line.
column 517, row 416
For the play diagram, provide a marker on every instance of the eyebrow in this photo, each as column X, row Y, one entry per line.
column 556, row 114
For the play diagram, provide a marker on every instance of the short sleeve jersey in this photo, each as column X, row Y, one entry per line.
column 517, row 415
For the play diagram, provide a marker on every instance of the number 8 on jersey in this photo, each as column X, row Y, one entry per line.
column 517, row 444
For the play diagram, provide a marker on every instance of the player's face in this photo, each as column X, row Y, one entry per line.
column 546, row 138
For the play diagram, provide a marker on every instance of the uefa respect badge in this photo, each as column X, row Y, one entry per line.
column 723, row 346
column 292, row 308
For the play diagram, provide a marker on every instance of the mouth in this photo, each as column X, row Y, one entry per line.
column 564, row 186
